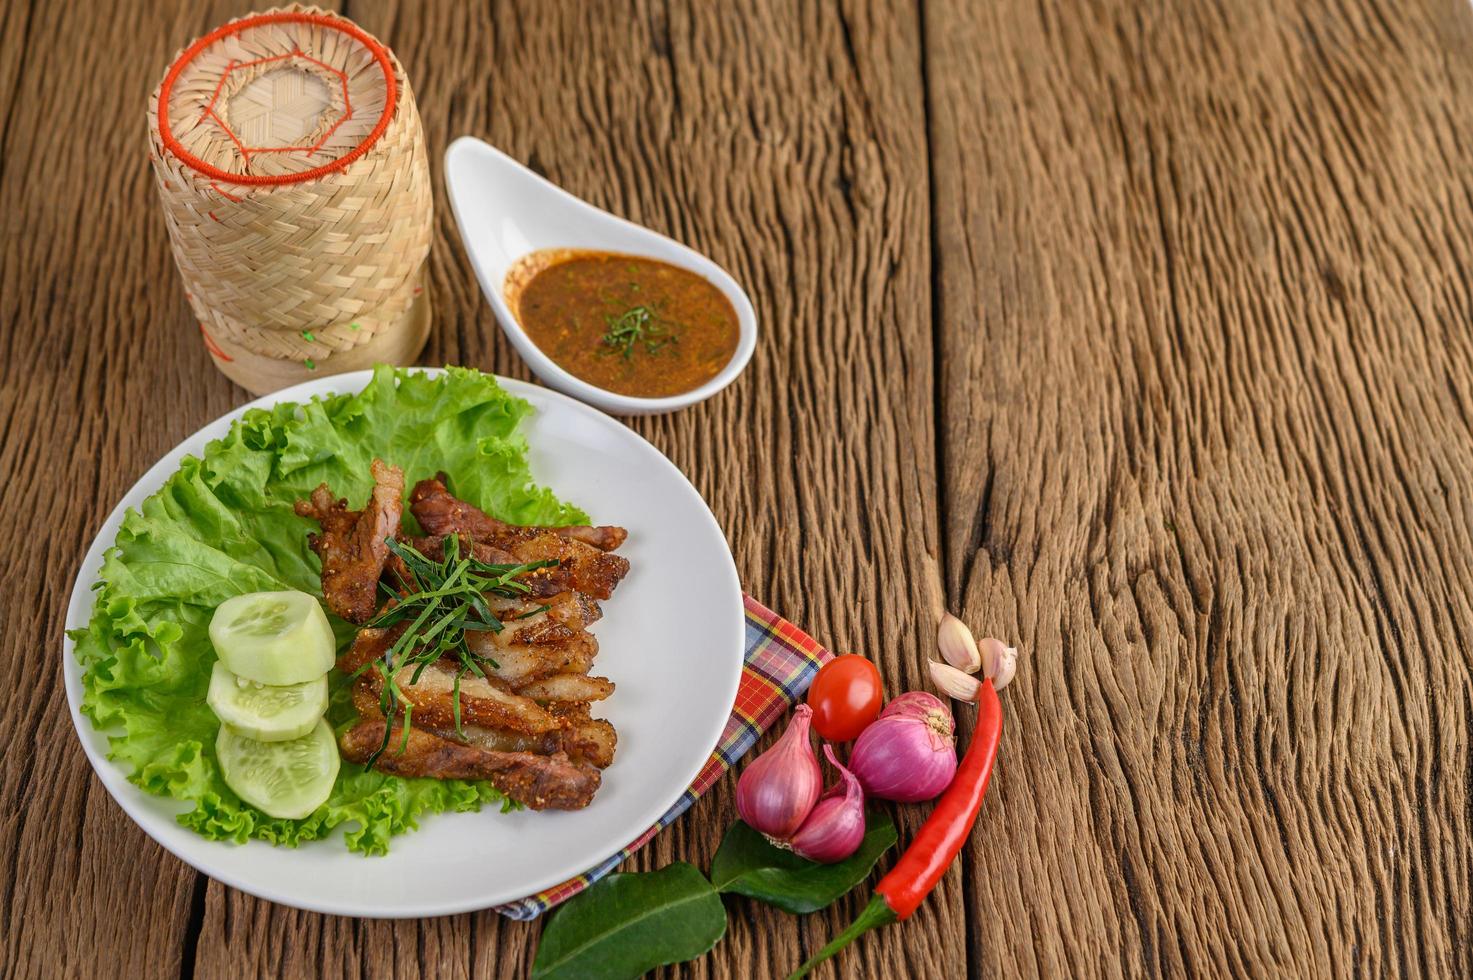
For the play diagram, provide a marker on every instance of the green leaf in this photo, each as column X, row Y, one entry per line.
column 629, row 923
column 746, row 864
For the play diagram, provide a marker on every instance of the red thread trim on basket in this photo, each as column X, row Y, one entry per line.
column 213, row 347
column 209, row 109
column 248, row 151
column 244, row 150
column 379, row 52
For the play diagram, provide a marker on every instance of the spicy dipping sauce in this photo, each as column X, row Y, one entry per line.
column 630, row 325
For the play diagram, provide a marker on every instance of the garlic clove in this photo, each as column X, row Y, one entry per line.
column 954, row 683
column 957, row 645
column 999, row 662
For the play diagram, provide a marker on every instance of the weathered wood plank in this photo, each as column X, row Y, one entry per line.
column 99, row 375
column 1204, row 323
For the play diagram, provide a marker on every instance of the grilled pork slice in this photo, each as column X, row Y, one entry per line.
column 570, row 688
column 520, row 675
column 542, row 583
column 352, row 544
column 368, row 644
column 537, row 639
column 591, row 739
column 582, row 566
column 452, row 513
column 573, row 609
column 540, row 782
column 518, row 664
column 483, row 701
column 556, row 769
column 605, row 537
column 580, row 736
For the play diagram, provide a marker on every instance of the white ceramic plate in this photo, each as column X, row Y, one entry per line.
column 670, row 639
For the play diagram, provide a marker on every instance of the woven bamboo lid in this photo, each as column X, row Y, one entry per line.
column 292, row 170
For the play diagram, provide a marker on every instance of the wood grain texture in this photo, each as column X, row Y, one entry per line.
column 1204, row 316
column 1138, row 333
column 91, row 389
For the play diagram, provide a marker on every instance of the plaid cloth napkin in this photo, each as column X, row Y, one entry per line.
column 780, row 662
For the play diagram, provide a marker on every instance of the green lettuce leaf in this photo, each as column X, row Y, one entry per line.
column 224, row 525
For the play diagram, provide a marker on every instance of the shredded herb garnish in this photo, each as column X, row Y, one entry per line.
column 638, row 326
column 440, row 601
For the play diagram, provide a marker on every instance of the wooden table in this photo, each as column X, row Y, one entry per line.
column 1140, row 334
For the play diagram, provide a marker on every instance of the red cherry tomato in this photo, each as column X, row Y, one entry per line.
column 845, row 697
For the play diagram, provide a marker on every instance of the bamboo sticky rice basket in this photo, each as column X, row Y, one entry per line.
column 295, row 186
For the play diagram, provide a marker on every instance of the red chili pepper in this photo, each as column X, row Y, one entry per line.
column 936, row 844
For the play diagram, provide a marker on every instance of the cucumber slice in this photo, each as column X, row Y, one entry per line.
column 273, row 637
column 263, row 711
column 282, row 779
